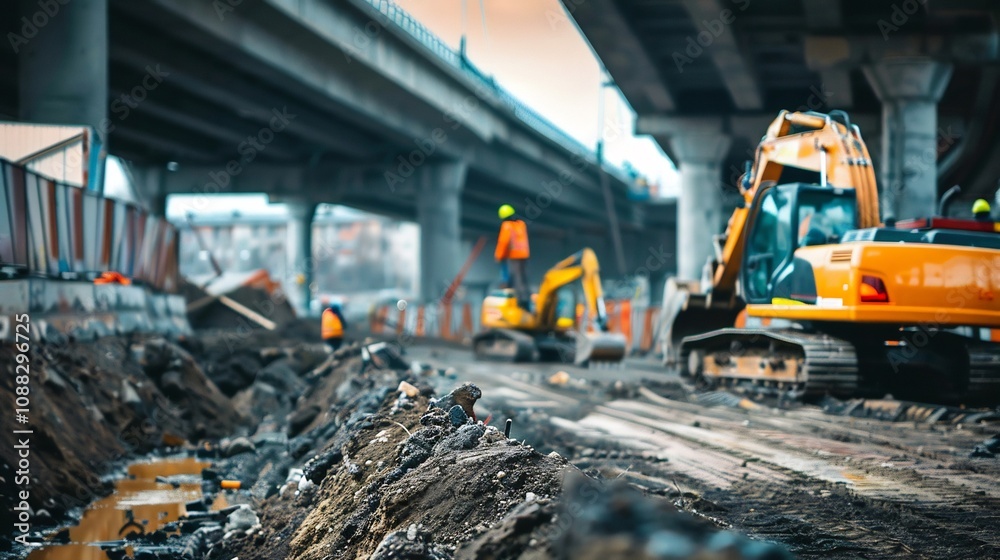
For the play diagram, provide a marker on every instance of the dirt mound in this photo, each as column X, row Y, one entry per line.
column 396, row 473
column 95, row 404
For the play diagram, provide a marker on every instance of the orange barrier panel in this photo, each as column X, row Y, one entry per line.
column 420, row 328
column 401, row 322
column 646, row 342
column 383, row 314
column 625, row 318
column 446, row 321
column 467, row 328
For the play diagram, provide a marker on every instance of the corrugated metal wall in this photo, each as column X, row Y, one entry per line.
column 51, row 228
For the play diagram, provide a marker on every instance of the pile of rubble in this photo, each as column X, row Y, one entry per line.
column 351, row 455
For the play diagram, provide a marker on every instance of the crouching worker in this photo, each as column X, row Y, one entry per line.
column 332, row 326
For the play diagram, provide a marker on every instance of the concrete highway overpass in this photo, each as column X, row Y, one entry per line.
column 707, row 76
column 318, row 101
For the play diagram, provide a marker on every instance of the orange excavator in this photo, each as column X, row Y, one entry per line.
column 548, row 332
column 808, row 293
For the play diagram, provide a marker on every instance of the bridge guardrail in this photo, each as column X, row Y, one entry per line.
column 529, row 116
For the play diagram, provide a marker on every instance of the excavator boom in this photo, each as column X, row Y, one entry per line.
column 804, row 145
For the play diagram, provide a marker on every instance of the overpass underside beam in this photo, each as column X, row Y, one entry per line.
column 63, row 62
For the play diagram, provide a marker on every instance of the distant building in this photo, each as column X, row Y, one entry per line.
column 353, row 252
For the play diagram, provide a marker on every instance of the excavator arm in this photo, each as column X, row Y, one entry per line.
column 798, row 147
column 581, row 265
column 830, row 149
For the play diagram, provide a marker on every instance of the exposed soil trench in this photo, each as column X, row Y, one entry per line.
column 370, row 453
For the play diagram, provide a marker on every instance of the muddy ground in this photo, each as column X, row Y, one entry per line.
column 825, row 484
column 94, row 406
column 364, row 453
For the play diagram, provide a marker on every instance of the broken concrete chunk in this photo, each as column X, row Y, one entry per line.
column 172, row 384
column 300, row 419
column 408, row 389
column 464, row 395
column 411, row 543
column 237, row 446
column 243, row 519
column 559, row 378
column 457, row 416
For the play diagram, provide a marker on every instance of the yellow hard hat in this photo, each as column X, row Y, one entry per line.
column 506, row 211
column 980, row 206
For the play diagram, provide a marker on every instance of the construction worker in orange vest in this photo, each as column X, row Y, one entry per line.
column 512, row 253
column 332, row 326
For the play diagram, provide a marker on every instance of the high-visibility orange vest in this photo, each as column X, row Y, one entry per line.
column 331, row 326
column 512, row 242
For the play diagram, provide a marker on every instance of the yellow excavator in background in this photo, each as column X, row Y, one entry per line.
column 549, row 331
column 809, row 294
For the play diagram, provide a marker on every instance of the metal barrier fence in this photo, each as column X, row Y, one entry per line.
column 460, row 321
column 56, row 230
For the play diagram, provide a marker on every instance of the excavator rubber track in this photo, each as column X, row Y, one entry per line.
column 984, row 372
column 581, row 349
column 505, row 345
column 810, row 363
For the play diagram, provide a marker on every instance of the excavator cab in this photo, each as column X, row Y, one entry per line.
column 785, row 218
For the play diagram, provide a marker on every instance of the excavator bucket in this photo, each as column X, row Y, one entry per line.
column 686, row 312
column 600, row 347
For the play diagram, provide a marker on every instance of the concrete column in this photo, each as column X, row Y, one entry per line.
column 701, row 209
column 439, row 213
column 150, row 187
column 909, row 89
column 299, row 268
column 62, row 50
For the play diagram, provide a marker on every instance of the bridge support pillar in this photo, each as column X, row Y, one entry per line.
column 701, row 209
column 299, row 267
column 62, row 50
column 909, row 89
column 439, row 212
column 149, row 186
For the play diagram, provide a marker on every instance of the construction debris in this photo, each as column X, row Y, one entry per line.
column 238, row 301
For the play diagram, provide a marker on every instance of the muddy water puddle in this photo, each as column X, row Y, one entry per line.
column 139, row 504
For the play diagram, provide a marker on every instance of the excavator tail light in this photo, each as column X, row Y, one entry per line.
column 872, row 290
